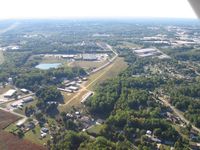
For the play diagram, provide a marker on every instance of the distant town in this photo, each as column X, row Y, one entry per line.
column 130, row 85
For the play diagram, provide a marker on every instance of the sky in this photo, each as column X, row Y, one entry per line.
column 14, row 9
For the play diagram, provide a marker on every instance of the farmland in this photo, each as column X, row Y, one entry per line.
column 6, row 119
column 9, row 141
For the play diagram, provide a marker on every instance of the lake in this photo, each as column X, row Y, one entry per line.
column 48, row 66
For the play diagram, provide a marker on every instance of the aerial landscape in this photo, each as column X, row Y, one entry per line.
column 100, row 84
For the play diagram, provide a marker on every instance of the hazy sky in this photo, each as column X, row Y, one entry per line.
column 94, row 8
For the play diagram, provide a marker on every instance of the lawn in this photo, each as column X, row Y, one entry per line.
column 34, row 136
column 94, row 130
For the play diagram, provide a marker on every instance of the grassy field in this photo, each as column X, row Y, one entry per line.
column 1, row 57
column 34, row 136
column 5, row 89
column 94, row 130
column 74, row 100
column 109, row 72
column 67, row 96
column 94, row 80
column 11, row 128
column 10, row 141
column 53, row 60
column 87, row 64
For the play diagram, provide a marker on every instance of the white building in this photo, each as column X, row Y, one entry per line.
column 9, row 93
column 24, row 90
column 73, row 88
column 27, row 99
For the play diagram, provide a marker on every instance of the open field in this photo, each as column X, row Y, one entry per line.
column 5, row 89
column 109, row 72
column 87, row 64
column 94, row 130
column 1, row 57
column 95, row 79
column 74, row 101
column 128, row 45
column 9, row 141
column 6, row 119
column 67, row 96
column 53, row 60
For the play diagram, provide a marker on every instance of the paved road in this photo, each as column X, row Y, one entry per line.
column 12, row 112
column 84, row 88
column 178, row 113
column 24, row 118
column 109, row 64
column 110, row 61
column 13, row 100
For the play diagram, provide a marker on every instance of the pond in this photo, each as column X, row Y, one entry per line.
column 48, row 66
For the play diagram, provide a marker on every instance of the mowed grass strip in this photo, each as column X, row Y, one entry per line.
column 109, row 72
column 94, row 80
column 87, row 64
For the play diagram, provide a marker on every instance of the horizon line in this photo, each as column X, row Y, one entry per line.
column 96, row 18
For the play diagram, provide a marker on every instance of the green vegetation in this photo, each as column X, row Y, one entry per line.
column 186, row 99
column 34, row 79
column 34, row 136
column 95, row 130
column 48, row 99
column 133, row 96
column 109, row 72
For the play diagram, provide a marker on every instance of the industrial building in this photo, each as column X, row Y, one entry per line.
column 10, row 93
column 89, row 57
column 27, row 99
column 147, row 52
column 150, row 52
